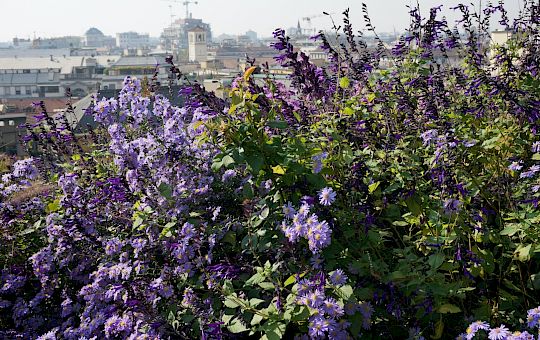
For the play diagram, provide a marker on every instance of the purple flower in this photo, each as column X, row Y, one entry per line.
column 318, row 326
column 499, row 333
column 515, row 166
column 327, row 196
column 451, row 206
column 531, row 172
column 535, row 147
column 313, row 299
column 25, row 169
column 228, row 174
column 533, row 317
column 318, row 236
column 338, row 278
column 475, row 327
column 429, row 136
column 332, row 308
column 288, row 210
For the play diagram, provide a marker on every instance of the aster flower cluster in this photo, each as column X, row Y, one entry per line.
column 502, row 332
column 304, row 224
column 326, row 312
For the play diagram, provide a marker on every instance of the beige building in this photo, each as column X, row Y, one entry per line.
column 197, row 45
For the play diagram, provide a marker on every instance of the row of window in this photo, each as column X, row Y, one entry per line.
column 28, row 90
column 10, row 122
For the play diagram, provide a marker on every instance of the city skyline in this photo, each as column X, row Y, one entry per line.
column 45, row 19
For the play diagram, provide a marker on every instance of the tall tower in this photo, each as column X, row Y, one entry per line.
column 198, row 48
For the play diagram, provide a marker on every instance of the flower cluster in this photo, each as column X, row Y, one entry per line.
column 304, row 224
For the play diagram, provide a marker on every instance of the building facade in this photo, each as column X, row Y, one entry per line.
column 132, row 40
column 197, row 45
column 175, row 36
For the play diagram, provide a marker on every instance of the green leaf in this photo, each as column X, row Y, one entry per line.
column 53, row 206
column 344, row 83
column 236, row 326
column 278, row 124
column 266, row 285
column 278, row 170
column 165, row 190
column 345, row 292
column 436, row 260
column 290, row 280
column 523, row 253
column 414, row 206
column 264, row 213
column 227, row 160
column 448, row 308
column 274, row 330
column 511, row 229
column 255, row 279
column 372, row 187
column 256, row 320
column 230, row 302
column 255, row 162
column 137, row 223
column 255, row 302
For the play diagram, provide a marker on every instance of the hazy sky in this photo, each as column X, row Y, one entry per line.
column 48, row 18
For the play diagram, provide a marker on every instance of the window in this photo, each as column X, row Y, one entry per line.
column 27, row 90
column 2, row 123
column 11, row 122
column 26, row 71
column 51, row 89
column 17, row 91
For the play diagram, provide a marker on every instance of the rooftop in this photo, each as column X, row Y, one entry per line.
column 65, row 64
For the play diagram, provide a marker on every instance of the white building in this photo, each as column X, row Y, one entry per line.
column 197, row 45
column 132, row 40
column 95, row 38
column 49, row 77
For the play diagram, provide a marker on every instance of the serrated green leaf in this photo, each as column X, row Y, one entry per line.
column 511, row 229
column 255, row 279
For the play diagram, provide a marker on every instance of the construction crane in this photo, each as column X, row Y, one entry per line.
column 308, row 19
column 185, row 4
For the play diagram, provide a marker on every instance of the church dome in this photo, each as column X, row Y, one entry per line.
column 93, row 31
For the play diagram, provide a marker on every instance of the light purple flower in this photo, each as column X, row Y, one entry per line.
column 475, row 327
column 533, row 317
column 531, row 172
column 338, row 278
column 535, row 147
column 327, row 196
column 515, row 166
column 499, row 333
